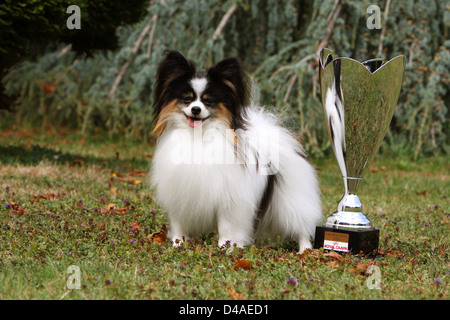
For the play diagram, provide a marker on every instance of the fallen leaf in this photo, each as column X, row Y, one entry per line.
column 361, row 268
column 392, row 252
column 111, row 209
column 113, row 190
column 334, row 256
column 48, row 88
column 235, row 295
column 332, row 264
column 131, row 181
column 121, row 210
column 135, row 182
column 48, row 195
column 242, row 264
column 157, row 237
column 77, row 163
column 108, row 209
column 137, row 173
column 16, row 208
column 44, row 196
column 148, row 155
column 311, row 253
column 422, row 193
column 285, row 260
column 303, row 255
column 135, row 226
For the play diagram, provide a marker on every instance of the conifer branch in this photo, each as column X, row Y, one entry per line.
column 224, row 21
column 125, row 66
column 150, row 37
column 64, row 50
column 383, row 31
column 331, row 24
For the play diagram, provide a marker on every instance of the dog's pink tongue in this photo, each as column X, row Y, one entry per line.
column 194, row 123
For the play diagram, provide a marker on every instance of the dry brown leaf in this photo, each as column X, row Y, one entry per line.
column 121, row 211
column 110, row 207
column 303, row 255
column 235, row 295
column 285, row 260
column 48, row 88
column 76, row 163
column 137, row 173
column 134, row 226
column 48, row 195
column 361, row 268
column 333, row 255
column 332, row 264
column 130, row 181
column 16, row 208
column 243, row 264
column 422, row 193
column 44, row 196
column 157, row 237
column 134, row 181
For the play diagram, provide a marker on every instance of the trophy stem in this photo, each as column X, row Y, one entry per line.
column 349, row 213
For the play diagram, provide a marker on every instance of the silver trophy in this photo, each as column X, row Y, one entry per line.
column 358, row 101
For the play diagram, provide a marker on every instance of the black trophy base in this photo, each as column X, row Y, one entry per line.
column 340, row 240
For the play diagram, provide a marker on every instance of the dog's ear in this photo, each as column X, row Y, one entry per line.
column 173, row 70
column 232, row 73
column 173, row 67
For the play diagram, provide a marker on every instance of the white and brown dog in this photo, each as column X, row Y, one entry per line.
column 223, row 164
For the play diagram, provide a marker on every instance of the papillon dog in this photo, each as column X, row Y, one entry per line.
column 224, row 164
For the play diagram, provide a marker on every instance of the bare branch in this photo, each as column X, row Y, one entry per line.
column 224, row 21
column 332, row 22
column 124, row 68
column 383, row 31
column 151, row 35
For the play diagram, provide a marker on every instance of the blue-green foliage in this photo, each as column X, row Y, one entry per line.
column 278, row 40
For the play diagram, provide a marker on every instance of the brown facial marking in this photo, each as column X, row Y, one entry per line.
column 167, row 111
column 223, row 114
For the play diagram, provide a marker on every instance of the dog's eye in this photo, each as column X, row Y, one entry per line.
column 209, row 103
column 187, row 99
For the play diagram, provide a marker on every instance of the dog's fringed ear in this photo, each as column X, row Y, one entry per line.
column 174, row 66
column 172, row 69
column 232, row 73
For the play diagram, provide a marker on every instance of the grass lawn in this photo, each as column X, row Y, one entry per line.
column 68, row 201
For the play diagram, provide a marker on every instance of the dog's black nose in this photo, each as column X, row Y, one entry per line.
column 196, row 110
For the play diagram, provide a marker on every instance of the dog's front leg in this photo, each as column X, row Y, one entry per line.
column 235, row 227
column 176, row 234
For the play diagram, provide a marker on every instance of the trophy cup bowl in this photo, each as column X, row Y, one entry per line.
column 358, row 102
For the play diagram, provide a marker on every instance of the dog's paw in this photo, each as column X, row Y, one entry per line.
column 304, row 245
column 177, row 241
